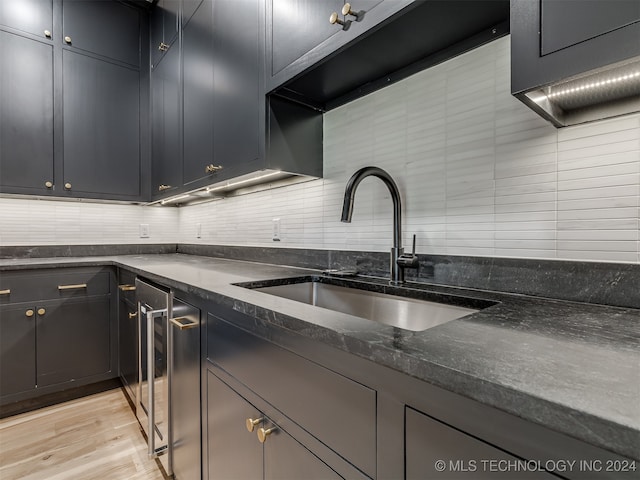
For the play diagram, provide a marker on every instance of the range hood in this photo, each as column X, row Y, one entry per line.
column 602, row 93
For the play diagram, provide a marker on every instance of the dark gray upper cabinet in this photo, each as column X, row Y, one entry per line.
column 238, row 100
column 387, row 41
column 298, row 27
column 564, row 24
column 198, row 60
column 164, row 28
column 109, row 29
column 554, row 41
column 189, row 7
column 26, row 115
column 101, row 112
column 29, row 16
column 166, row 123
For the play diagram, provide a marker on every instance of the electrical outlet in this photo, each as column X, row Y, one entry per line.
column 276, row 230
column 198, row 230
column 144, row 230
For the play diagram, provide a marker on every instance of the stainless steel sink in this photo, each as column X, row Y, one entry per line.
column 402, row 312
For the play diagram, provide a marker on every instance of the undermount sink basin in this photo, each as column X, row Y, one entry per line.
column 398, row 311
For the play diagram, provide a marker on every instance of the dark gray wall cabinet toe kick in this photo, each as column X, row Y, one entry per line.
column 56, row 331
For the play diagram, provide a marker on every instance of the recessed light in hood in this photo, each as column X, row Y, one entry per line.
column 598, row 94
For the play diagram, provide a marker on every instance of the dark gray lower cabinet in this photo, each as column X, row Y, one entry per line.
column 17, row 349
column 436, row 450
column 128, row 343
column 236, row 452
column 73, row 340
column 101, row 126
column 26, row 114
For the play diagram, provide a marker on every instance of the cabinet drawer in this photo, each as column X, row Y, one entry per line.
column 338, row 411
column 30, row 286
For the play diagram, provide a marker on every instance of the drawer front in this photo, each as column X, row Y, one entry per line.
column 35, row 285
column 338, row 411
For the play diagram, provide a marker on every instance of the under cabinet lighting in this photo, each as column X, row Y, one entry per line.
column 242, row 182
column 602, row 93
column 174, row 199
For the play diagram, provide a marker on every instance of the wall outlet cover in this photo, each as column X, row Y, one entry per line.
column 276, row 230
column 144, row 230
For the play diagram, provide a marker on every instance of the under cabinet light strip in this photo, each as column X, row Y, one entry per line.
column 248, row 180
column 602, row 83
column 174, row 199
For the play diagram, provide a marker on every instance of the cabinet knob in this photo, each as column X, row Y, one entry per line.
column 346, row 10
column 67, row 39
column 211, row 168
column 41, row 311
column 133, row 315
column 67, row 186
column 335, row 19
column 252, row 422
column 162, row 188
column 5, row 292
column 47, row 33
column 163, row 47
column 48, row 184
column 263, row 434
column 29, row 313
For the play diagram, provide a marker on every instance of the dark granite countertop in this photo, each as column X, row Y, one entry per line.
column 572, row 367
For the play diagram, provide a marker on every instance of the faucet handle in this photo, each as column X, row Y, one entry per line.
column 409, row 260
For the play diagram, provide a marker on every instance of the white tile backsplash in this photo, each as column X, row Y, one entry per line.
column 479, row 172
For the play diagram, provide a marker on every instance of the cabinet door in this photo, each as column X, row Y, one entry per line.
column 429, row 442
column 298, row 26
column 17, row 349
column 110, row 29
column 233, row 451
column 30, row 16
column 74, row 340
column 166, row 148
column 285, row 458
column 101, row 110
column 198, row 93
column 156, row 35
column 236, row 79
column 128, row 345
column 568, row 23
column 26, row 116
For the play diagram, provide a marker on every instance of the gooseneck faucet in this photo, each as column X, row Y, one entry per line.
column 398, row 261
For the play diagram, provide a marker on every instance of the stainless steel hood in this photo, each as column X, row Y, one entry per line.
column 605, row 92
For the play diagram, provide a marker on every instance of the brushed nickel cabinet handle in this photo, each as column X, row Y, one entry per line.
column 47, row 33
column 251, row 423
column 133, row 315
column 263, row 434
column 72, row 287
column 183, row 323
column 29, row 313
column 162, row 188
column 212, row 168
column 163, row 47
column 127, row 288
column 67, row 39
column 41, row 311
column 67, row 186
column 48, row 184
column 5, row 292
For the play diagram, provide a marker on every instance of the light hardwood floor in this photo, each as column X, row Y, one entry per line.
column 96, row 437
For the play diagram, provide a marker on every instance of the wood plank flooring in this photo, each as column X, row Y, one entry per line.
column 95, row 437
